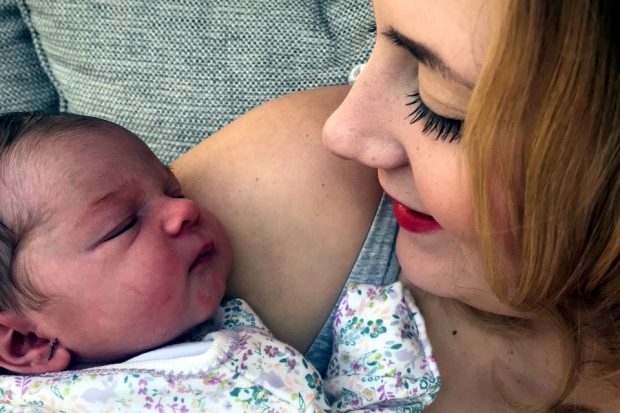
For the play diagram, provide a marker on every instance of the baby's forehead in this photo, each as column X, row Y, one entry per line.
column 100, row 153
column 44, row 171
column 96, row 141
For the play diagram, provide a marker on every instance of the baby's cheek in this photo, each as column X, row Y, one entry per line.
column 164, row 300
column 208, row 302
column 148, row 292
column 168, row 295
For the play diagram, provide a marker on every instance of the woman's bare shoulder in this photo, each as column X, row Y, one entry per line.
column 296, row 214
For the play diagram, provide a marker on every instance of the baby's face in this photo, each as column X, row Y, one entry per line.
column 126, row 262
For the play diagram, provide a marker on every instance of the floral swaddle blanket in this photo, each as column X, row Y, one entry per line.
column 243, row 369
column 382, row 362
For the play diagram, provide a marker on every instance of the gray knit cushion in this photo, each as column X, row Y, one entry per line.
column 171, row 71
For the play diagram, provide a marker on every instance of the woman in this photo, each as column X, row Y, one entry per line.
column 540, row 183
column 508, row 222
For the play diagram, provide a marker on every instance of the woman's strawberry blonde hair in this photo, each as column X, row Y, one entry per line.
column 544, row 122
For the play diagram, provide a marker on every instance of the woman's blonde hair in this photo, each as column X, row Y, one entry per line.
column 544, row 125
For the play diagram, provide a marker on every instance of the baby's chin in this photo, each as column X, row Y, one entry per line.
column 201, row 327
column 183, row 323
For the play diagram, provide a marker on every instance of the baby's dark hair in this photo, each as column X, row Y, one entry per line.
column 16, row 130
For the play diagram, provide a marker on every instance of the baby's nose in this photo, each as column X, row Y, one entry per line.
column 181, row 213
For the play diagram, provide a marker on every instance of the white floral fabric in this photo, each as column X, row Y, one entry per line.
column 244, row 370
column 382, row 358
column 382, row 362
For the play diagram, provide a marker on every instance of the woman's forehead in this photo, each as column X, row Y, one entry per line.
column 457, row 31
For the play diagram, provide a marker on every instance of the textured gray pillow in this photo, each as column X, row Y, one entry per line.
column 174, row 71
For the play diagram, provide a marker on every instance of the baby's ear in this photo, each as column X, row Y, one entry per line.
column 22, row 351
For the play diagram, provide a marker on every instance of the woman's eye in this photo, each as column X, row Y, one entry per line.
column 445, row 129
column 122, row 228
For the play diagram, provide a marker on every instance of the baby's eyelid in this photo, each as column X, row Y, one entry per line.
column 125, row 226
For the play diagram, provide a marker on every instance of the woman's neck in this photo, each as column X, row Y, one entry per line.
column 494, row 364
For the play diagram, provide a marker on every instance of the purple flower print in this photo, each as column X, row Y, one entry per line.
column 271, row 379
column 349, row 311
column 372, row 293
column 271, row 351
column 213, row 379
column 23, row 382
column 356, row 366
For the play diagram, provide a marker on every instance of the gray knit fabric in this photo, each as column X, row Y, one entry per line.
column 23, row 83
column 172, row 71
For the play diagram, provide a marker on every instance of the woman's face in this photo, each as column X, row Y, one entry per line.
column 402, row 117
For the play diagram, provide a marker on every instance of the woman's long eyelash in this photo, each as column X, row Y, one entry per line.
column 446, row 129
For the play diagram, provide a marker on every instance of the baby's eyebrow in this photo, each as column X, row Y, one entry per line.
column 108, row 198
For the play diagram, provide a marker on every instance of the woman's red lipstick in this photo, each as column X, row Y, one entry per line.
column 413, row 221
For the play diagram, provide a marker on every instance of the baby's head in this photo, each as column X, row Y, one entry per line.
column 101, row 257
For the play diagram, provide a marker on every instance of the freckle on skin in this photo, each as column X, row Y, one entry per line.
column 257, row 179
column 454, row 332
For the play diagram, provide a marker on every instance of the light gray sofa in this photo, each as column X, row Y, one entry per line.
column 174, row 71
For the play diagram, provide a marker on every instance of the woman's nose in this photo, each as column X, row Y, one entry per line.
column 179, row 214
column 362, row 126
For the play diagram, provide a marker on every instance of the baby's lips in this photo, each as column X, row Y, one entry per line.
column 203, row 255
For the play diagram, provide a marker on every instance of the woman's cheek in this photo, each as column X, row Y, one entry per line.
column 447, row 198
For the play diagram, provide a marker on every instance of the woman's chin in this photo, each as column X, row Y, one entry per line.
column 426, row 267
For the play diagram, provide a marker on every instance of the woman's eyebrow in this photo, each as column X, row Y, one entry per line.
column 425, row 56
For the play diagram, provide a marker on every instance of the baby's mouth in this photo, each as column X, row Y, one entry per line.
column 205, row 254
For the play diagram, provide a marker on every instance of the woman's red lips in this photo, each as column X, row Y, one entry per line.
column 413, row 221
